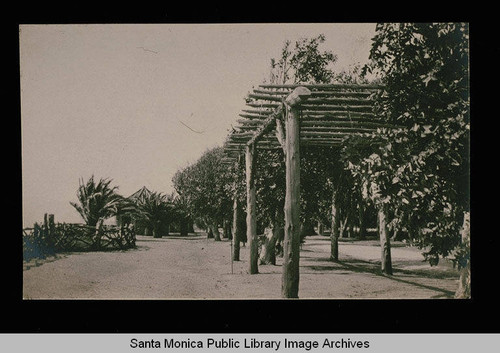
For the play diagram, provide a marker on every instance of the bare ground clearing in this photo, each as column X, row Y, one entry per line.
column 196, row 268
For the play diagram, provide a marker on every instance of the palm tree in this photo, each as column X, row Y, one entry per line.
column 156, row 210
column 182, row 213
column 97, row 201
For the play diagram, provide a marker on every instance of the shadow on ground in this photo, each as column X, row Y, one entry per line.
column 35, row 262
column 373, row 268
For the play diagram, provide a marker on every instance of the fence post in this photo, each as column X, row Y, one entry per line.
column 45, row 226
column 52, row 232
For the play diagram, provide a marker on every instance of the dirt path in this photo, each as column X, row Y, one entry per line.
column 194, row 267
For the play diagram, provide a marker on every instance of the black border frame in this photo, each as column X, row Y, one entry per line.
column 247, row 316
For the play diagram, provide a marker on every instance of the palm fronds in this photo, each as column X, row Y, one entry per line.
column 97, row 201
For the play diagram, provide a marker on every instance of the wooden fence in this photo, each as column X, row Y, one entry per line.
column 49, row 238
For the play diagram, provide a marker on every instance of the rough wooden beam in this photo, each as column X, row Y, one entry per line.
column 334, row 94
column 251, row 209
column 273, row 93
column 236, row 226
column 362, row 123
column 247, row 127
column 335, row 100
column 263, row 105
column 254, row 116
column 280, row 134
column 335, row 129
column 291, row 242
column 298, row 96
column 266, row 97
column 326, row 86
column 236, row 216
column 342, row 93
column 266, row 126
column 341, row 114
column 326, row 134
column 264, row 111
column 335, row 228
column 242, row 134
column 250, row 122
column 338, row 107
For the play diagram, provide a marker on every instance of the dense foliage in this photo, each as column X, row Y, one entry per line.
column 421, row 168
column 270, row 187
column 205, row 188
column 304, row 63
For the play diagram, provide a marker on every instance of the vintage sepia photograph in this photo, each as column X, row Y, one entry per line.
column 243, row 161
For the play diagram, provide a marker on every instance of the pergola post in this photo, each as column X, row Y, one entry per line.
column 334, row 233
column 385, row 245
column 251, row 208
column 291, row 243
column 236, row 216
column 236, row 226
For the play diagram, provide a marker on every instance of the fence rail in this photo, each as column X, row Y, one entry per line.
column 49, row 238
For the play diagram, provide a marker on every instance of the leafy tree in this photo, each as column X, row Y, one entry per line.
column 354, row 73
column 270, row 194
column 270, row 185
column 304, row 63
column 206, row 188
column 97, row 200
column 316, row 164
column 420, row 169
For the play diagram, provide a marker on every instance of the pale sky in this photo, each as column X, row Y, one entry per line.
column 112, row 100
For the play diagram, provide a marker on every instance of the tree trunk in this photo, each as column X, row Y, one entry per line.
column 98, row 235
column 190, row 225
column 243, row 226
column 291, row 243
column 227, row 230
column 362, row 225
column 210, row 233
column 280, row 231
column 334, row 233
column 215, row 230
column 343, row 226
column 268, row 254
column 236, row 228
column 321, row 229
column 350, row 230
column 251, row 209
column 183, row 226
column 464, row 283
column 156, row 231
column 385, row 244
column 306, row 229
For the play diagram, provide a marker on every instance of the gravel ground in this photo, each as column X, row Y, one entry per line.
column 196, row 268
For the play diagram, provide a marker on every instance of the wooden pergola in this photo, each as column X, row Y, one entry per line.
column 288, row 117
